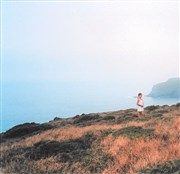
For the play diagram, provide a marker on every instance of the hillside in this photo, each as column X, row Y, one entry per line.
column 99, row 143
column 168, row 89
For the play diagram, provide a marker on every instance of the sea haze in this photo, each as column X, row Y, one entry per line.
column 41, row 102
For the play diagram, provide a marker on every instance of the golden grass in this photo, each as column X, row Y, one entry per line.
column 59, row 134
column 47, row 165
column 65, row 134
column 130, row 155
column 50, row 165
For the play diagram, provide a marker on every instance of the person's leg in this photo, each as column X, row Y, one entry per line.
column 139, row 114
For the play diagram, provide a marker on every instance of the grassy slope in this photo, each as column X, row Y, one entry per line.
column 106, row 143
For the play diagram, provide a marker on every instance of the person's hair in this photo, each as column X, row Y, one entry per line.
column 139, row 94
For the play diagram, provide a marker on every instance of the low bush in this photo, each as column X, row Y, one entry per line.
column 126, row 118
column 133, row 132
column 45, row 149
column 178, row 105
column 157, row 115
column 152, row 108
column 85, row 118
column 25, row 129
column 170, row 167
column 108, row 118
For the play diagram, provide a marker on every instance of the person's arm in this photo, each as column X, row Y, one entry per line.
column 138, row 103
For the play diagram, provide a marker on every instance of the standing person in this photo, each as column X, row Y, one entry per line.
column 140, row 104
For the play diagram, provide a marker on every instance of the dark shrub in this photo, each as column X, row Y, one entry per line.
column 106, row 132
column 170, row 167
column 178, row 105
column 108, row 118
column 72, row 149
column 126, row 118
column 25, row 129
column 57, row 119
column 96, row 161
column 77, row 116
column 164, row 106
column 133, row 132
column 157, row 115
column 152, row 108
column 163, row 111
column 88, row 117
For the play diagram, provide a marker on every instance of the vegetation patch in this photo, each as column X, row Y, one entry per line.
column 85, row 118
column 178, row 105
column 162, row 111
column 133, row 132
column 170, row 167
column 14, row 161
column 106, row 132
column 126, row 118
column 108, row 118
column 157, row 115
column 72, row 149
column 96, row 161
column 65, row 154
column 57, row 119
column 152, row 108
column 25, row 129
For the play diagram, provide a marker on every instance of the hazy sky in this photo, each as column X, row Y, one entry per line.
column 90, row 41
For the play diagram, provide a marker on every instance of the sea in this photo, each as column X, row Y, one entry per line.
column 42, row 102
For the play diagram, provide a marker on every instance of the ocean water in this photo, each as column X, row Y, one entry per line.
column 41, row 102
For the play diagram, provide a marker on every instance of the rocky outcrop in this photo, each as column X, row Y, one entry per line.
column 168, row 89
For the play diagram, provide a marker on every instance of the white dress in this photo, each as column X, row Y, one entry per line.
column 140, row 109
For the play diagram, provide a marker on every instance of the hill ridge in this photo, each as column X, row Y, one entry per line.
column 96, row 143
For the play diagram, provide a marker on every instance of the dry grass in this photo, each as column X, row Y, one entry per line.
column 66, row 133
column 59, row 134
column 48, row 165
column 129, row 155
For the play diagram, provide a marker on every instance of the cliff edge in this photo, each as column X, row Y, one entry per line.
column 168, row 89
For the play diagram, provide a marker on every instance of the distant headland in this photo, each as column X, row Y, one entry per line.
column 168, row 89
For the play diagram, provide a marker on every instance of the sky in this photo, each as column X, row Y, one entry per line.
column 130, row 43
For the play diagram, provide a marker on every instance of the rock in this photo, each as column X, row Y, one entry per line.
column 168, row 89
